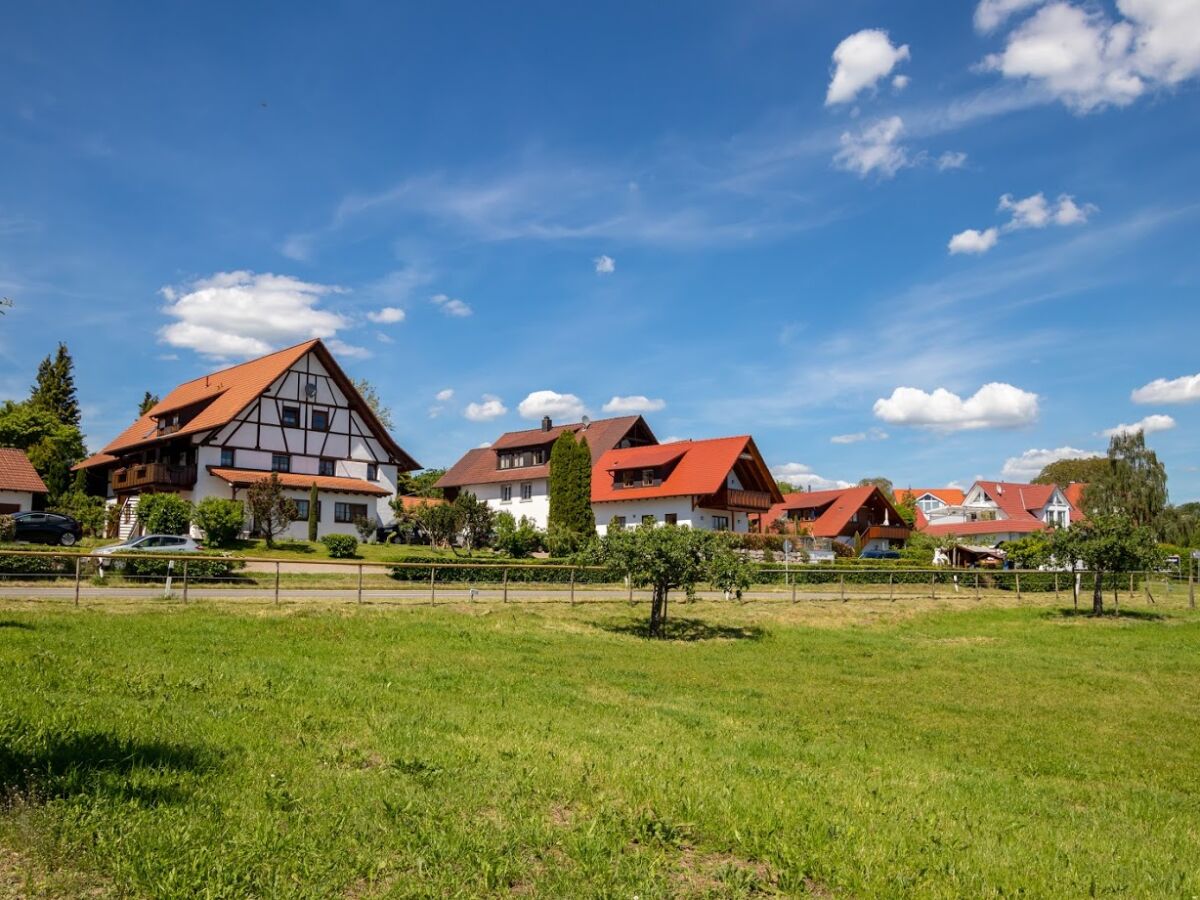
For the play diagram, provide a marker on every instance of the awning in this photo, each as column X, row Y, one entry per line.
column 296, row 481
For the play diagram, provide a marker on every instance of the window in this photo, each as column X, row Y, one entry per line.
column 647, row 477
column 539, row 456
column 647, row 520
column 671, row 518
column 228, row 457
column 617, row 523
column 291, row 417
column 319, row 420
column 506, row 460
column 326, row 467
column 281, row 462
column 627, row 478
column 302, row 510
column 720, row 523
column 527, row 490
column 372, row 472
column 349, row 512
column 506, row 493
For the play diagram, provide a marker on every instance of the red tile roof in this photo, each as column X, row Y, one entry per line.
column 479, row 466
column 229, row 391
column 247, row 477
column 949, row 496
column 1017, row 501
column 1074, row 494
column 1025, row 525
column 701, row 469
column 96, row 459
column 842, row 504
column 17, row 472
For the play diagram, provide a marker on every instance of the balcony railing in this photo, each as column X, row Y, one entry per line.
column 888, row 532
column 154, row 475
column 758, row 501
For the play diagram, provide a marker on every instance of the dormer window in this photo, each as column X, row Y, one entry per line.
column 627, row 478
column 647, row 477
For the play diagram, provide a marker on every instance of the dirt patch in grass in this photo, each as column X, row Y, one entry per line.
column 703, row 874
column 21, row 877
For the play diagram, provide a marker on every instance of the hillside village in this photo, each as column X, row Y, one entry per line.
column 293, row 417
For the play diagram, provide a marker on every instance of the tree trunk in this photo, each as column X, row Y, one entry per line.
column 1098, row 593
column 658, row 611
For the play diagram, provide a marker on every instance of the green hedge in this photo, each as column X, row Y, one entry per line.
column 198, row 569
column 22, row 564
column 525, row 571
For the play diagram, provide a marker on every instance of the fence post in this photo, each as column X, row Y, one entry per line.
column 78, row 566
column 432, row 584
column 892, row 586
column 1018, row 587
column 506, row 584
column 276, row 582
column 360, row 579
column 1191, row 588
column 629, row 581
column 185, row 580
column 976, row 585
column 792, row 575
column 1055, row 587
column 1130, row 587
column 842, row 585
column 933, row 586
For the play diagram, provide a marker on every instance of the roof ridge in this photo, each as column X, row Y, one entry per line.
column 247, row 362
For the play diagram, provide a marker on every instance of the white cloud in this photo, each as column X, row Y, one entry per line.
column 900, row 82
column 973, row 241
column 388, row 315
column 384, row 338
column 298, row 247
column 1088, row 61
column 995, row 405
column 803, row 477
column 991, row 14
column 1030, row 463
column 1148, row 425
column 1176, row 390
column 860, row 61
column 951, row 159
column 635, row 403
column 605, row 265
column 874, row 149
column 488, row 408
column 444, row 396
column 243, row 314
column 874, row 434
column 450, row 306
column 552, row 404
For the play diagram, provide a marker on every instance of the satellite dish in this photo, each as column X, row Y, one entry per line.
column 310, row 390
column 585, row 421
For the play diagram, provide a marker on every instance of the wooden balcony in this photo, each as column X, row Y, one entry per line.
column 753, row 501
column 153, row 475
column 888, row 532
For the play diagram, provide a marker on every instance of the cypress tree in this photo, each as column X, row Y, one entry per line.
column 585, row 519
column 55, row 387
column 561, row 483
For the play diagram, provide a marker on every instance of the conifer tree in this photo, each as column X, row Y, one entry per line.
column 149, row 401
column 561, row 484
column 54, row 389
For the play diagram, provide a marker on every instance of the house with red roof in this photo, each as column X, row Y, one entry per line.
column 859, row 517
column 512, row 474
column 293, row 412
column 21, row 488
column 720, row 484
column 993, row 512
column 929, row 500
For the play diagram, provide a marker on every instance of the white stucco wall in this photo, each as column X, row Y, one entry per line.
column 634, row 510
column 23, row 499
column 537, row 508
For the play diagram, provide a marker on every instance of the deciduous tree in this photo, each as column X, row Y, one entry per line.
column 1106, row 543
column 270, row 511
column 1135, row 483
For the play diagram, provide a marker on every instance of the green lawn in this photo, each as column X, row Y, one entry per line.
column 876, row 749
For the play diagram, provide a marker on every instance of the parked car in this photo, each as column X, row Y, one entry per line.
column 167, row 544
column 47, row 528
column 879, row 554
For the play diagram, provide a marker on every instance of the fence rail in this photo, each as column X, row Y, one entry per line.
column 40, row 573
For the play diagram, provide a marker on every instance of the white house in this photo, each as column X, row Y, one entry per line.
column 993, row 512
column 21, row 488
column 293, row 412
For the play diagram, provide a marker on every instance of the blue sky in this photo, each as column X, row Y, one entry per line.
column 884, row 238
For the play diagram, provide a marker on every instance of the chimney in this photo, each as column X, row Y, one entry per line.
column 546, row 423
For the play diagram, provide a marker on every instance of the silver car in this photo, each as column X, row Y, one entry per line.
column 167, row 544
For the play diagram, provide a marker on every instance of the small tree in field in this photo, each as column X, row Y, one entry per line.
column 221, row 520
column 314, row 519
column 1104, row 543
column 476, row 521
column 270, row 510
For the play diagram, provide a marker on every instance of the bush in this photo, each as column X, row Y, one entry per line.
column 341, row 546
column 88, row 511
column 164, row 513
column 20, row 564
column 516, row 539
column 220, row 520
column 8, row 528
column 198, row 569
column 366, row 527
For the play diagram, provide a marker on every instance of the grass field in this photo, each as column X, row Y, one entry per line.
column 868, row 749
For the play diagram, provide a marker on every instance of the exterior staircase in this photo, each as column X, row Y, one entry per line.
column 129, row 525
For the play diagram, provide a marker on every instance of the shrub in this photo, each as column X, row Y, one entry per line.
column 164, row 513
column 340, row 546
column 516, row 539
column 88, row 511
column 220, row 520
column 366, row 527
column 198, row 569
column 8, row 528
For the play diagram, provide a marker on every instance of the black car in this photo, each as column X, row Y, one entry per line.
column 47, row 528
column 879, row 554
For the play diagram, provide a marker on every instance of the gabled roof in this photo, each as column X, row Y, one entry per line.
column 479, row 466
column 230, row 391
column 701, row 469
column 949, row 496
column 295, row 480
column 1074, row 494
column 841, row 506
column 1016, row 498
column 17, row 472
column 1024, row 525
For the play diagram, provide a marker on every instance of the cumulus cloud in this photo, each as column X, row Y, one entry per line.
column 1175, row 390
column 951, row 159
column 488, row 408
column 860, row 61
column 1087, row 60
column 973, row 241
column 804, row 478
column 388, row 315
column 243, row 314
column 991, row 14
column 1148, row 425
column 634, row 403
column 1029, row 464
column 605, row 265
column 451, row 306
column 874, row 434
column 900, row 82
column 444, row 396
column 876, row 148
column 995, row 405
column 552, row 404
column 1033, row 212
